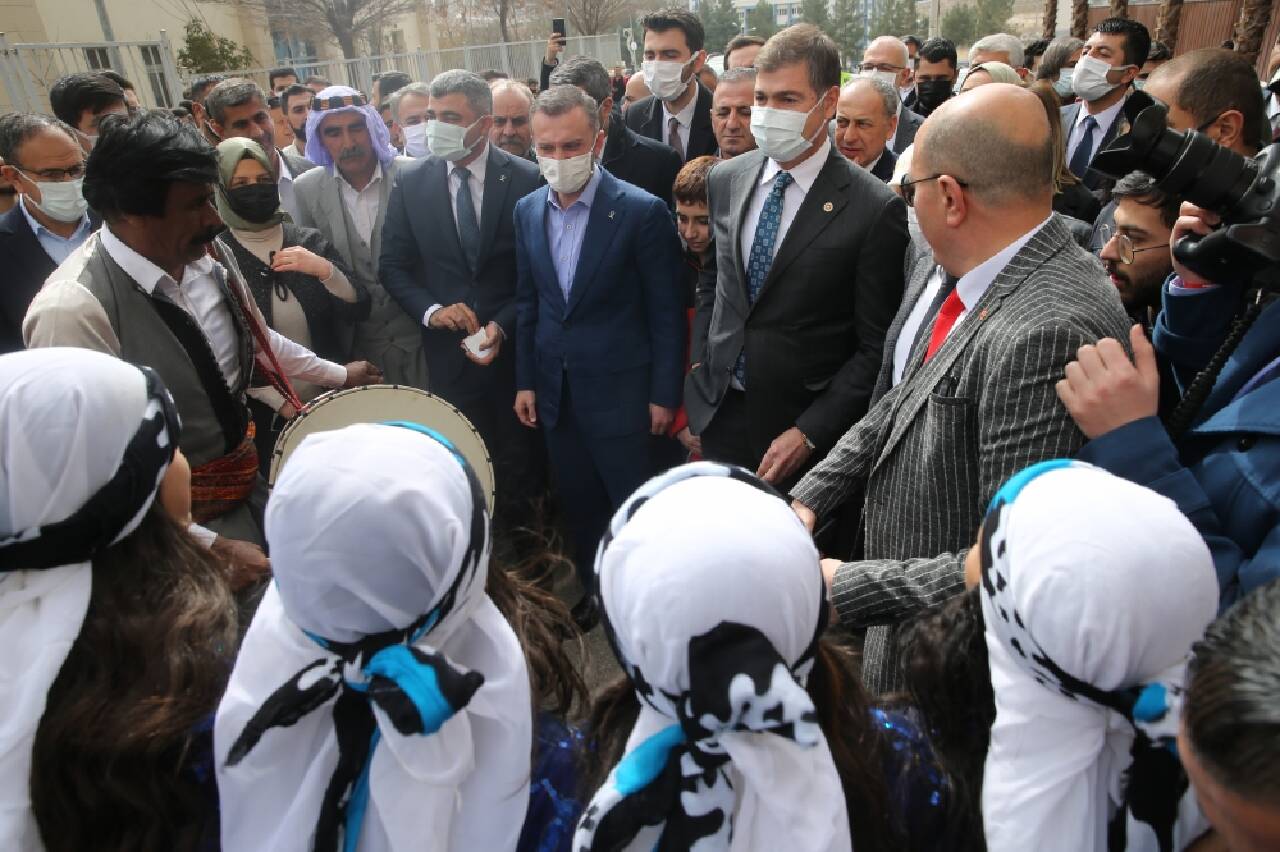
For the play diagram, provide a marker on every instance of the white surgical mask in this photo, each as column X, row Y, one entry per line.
column 1062, row 85
column 665, row 78
column 1090, row 79
column 780, row 132
column 62, row 201
column 446, row 140
column 415, row 139
column 567, row 176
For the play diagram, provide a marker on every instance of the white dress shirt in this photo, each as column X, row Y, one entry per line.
column 971, row 287
column 362, row 205
column 802, row 176
column 1105, row 119
column 476, row 184
column 288, row 199
column 684, row 119
column 58, row 248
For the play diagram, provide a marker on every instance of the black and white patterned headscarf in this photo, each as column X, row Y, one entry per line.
column 85, row 440
column 713, row 601
column 1093, row 591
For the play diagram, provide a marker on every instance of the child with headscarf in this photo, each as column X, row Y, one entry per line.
column 295, row 276
column 380, row 701
column 117, row 627
column 743, row 729
column 1087, row 593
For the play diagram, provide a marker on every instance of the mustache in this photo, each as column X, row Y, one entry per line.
column 206, row 236
column 355, row 152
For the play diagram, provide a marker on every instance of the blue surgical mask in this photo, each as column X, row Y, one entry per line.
column 1062, row 85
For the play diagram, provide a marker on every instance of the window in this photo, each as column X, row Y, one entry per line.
column 97, row 58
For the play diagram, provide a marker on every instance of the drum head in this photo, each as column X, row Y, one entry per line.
column 379, row 403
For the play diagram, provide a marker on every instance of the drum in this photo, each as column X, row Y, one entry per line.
column 379, row 403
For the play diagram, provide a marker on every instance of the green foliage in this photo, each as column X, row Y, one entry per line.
column 894, row 17
column 992, row 17
column 960, row 24
column 846, row 29
column 762, row 20
column 720, row 21
column 815, row 12
column 204, row 52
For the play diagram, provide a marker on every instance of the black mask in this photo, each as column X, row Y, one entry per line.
column 254, row 202
column 932, row 93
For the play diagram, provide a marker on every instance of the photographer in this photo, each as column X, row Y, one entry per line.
column 1218, row 455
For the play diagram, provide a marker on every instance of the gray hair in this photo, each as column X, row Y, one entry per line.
column 738, row 75
column 479, row 97
column 234, row 92
column 1055, row 57
column 888, row 93
column 398, row 95
column 1000, row 43
column 18, row 128
column 506, row 84
column 997, row 171
column 585, row 73
column 562, row 99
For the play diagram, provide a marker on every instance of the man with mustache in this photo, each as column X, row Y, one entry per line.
column 1135, row 251
column 346, row 201
column 154, row 287
column 295, row 102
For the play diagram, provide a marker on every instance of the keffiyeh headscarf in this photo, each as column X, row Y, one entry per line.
column 713, row 601
column 338, row 99
column 1093, row 591
column 85, row 440
column 380, row 700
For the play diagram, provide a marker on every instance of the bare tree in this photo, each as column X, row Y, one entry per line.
column 1050, row 25
column 1119, row 8
column 348, row 22
column 1251, row 29
column 1168, row 20
column 592, row 17
column 1080, row 18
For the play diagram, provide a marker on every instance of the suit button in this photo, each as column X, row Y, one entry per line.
column 1246, row 443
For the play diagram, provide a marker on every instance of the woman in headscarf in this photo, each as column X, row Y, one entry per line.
column 743, row 728
column 380, row 701
column 987, row 72
column 1087, row 594
column 296, row 277
column 117, row 628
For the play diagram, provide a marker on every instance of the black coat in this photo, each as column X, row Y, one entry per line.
column 645, row 117
column 26, row 265
column 640, row 161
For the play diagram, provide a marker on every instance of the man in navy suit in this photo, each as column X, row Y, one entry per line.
column 45, row 163
column 600, row 340
column 449, row 259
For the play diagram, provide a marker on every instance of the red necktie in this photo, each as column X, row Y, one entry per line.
column 950, row 311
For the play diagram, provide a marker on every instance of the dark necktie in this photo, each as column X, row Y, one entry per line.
column 1084, row 151
column 468, row 225
column 761, row 259
column 673, row 136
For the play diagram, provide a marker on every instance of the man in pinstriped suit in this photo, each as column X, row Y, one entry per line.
column 991, row 318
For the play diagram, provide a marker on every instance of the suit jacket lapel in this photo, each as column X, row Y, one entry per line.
column 333, row 209
column 602, row 221
column 701, row 137
column 384, row 196
column 821, row 205
column 1047, row 242
column 540, row 246
column 437, row 188
column 496, row 183
column 653, row 124
column 744, row 185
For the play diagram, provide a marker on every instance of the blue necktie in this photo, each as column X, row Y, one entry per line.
column 1084, row 151
column 761, row 258
column 468, row 226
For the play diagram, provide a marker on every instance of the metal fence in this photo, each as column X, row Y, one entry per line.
column 519, row 59
column 28, row 70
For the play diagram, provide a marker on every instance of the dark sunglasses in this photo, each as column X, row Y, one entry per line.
column 908, row 186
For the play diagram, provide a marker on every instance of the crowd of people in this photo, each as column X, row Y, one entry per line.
column 924, row 487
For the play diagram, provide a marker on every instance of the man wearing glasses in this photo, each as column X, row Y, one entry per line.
column 45, row 163
column 965, row 397
column 1136, row 248
column 886, row 57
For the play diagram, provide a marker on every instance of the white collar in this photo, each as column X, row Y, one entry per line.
column 684, row 116
column 976, row 281
column 377, row 176
column 1105, row 118
column 147, row 275
column 804, row 174
column 477, row 167
column 286, row 175
column 36, row 227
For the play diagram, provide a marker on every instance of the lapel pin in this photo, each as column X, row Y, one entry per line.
column 828, row 207
column 611, row 212
column 982, row 314
column 501, row 178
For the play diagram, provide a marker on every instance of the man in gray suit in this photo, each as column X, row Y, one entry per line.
column 346, row 200
column 792, row 307
column 966, row 391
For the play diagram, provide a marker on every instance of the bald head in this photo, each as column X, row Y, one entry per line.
column 996, row 139
column 888, row 46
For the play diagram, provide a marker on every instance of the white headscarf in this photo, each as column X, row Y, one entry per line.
column 75, row 426
column 714, row 601
column 379, row 538
column 1092, row 586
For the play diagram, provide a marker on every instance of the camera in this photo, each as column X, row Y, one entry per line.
column 1192, row 167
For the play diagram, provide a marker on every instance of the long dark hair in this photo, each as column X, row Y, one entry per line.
column 948, row 681
column 844, row 714
column 112, row 760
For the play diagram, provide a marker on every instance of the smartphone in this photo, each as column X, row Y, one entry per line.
column 557, row 27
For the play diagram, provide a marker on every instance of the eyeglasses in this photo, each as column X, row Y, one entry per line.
column 52, row 175
column 880, row 66
column 1125, row 245
column 908, row 186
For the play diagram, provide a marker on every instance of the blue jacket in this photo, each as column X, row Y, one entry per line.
column 619, row 342
column 1225, row 472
